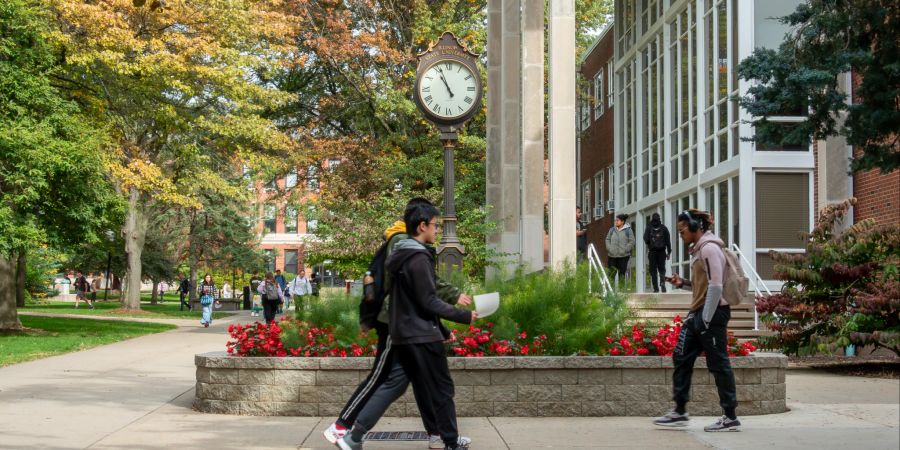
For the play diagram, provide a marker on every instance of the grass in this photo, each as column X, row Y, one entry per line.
column 48, row 336
column 167, row 310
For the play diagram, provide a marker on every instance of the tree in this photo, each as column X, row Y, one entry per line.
column 828, row 39
column 175, row 80
column 845, row 289
column 52, row 184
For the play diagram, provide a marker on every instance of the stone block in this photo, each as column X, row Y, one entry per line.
column 474, row 409
column 644, row 376
column 223, row 376
column 217, row 406
column 269, row 393
column 637, row 362
column 751, row 408
column 628, row 394
column 540, row 393
column 337, row 378
column 779, row 392
column 559, row 409
column 296, row 409
column 555, row 376
column 541, row 362
column 750, row 376
column 253, row 362
column 308, row 394
column 496, row 393
column 781, row 373
column 772, row 406
column 603, row 409
column 604, row 377
column 294, row 377
column 202, row 375
column 659, row 393
column 215, row 362
column 239, row 392
column 751, row 392
column 409, row 397
column 706, row 409
column 346, row 363
column 583, row 393
column 667, row 363
column 493, row 363
column 258, row 408
column 205, row 391
column 330, row 409
column 518, row 376
column 249, row 376
column 334, row 394
column 707, row 393
column 647, row 409
column 471, row 377
column 768, row 376
column 590, row 362
column 456, row 363
column 461, row 394
column 515, row 409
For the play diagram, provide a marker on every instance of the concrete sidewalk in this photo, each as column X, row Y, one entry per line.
column 138, row 394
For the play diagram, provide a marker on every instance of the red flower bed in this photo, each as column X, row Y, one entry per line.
column 639, row 343
column 259, row 339
column 477, row 342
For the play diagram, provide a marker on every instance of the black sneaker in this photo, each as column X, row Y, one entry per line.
column 672, row 420
column 724, row 424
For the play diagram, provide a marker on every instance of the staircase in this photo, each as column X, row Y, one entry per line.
column 663, row 307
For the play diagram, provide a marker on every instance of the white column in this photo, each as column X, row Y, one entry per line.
column 562, row 132
column 532, row 138
column 494, row 157
column 511, row 131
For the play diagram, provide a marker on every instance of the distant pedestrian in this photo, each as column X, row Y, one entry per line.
column 272, row 296
column 95, row 286
column 580, row 234
column 208, row 293
column 163, row 287
column 659, row 247
column 619, row 244
column 82, row 288
column 300, row 290
column 255, row 280
column 282, row 284
column 184, row 290
column 705, row 328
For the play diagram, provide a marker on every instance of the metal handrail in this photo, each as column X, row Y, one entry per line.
column 757, row 281
column 595, row 264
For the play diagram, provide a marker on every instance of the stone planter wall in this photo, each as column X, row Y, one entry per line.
column 496, row 386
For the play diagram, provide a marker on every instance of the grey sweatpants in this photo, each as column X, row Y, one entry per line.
column 392, row 389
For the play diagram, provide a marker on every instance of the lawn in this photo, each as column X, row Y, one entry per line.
column 48, row 336
column 167, row 310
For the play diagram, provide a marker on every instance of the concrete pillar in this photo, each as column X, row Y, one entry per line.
column 532, row 160
column 562, row 132
column 494, row 158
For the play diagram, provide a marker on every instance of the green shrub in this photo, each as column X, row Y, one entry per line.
column 336, row 310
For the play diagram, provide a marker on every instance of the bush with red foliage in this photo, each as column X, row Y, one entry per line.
column 637, row 342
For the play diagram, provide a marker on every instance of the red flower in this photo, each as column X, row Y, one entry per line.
column 643, row 352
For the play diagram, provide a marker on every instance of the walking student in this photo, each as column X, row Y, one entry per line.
column 386, row 382
column 82, row 287
column 272, row 296
column 282, row 284
column 184, row 289
column 255, row 281
column 207, row 293
column 619, row 244
column 705, row 328
column 299, row 289
column 659, row 247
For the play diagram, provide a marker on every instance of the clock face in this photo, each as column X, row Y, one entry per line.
column 448, row 89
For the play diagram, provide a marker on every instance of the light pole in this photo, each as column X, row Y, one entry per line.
column 111, row 237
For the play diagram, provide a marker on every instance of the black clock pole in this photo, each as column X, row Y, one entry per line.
column 451, row 251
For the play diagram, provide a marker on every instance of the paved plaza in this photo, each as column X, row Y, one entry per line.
column 137, row 394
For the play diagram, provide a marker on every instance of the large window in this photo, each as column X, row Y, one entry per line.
column 610, row 90
column 780, row 217
column 290, row 261
column 312, row 178
column 598, row 94
column 598, row 196
column 586, row 201
column 290, row 180
column 269, row 211
column 312, row 221
column 584, row 110
column 270, row 256
column 290, row 219
column 721, row 114
column 680, row 258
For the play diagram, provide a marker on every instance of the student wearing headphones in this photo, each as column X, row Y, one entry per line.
column 705, row 328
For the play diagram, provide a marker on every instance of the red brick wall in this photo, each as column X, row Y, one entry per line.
column 878, row 195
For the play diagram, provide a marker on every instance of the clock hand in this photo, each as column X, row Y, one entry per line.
column 445, row 82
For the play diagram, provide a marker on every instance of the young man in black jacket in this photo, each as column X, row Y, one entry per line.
column 659, row 247
column 415, row 320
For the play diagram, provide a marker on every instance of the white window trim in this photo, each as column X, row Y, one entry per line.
column 598, row 95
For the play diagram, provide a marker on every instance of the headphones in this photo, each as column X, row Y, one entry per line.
column 692, row 223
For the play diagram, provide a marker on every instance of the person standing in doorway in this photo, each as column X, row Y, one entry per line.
column 208, row 293
column 184, row 290
column 300, row 289
column 619, row 244
column 659, row 247
column 705, row 328
column 580, row 235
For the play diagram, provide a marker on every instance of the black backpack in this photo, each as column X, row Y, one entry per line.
column 368, row 311
column 657, row 238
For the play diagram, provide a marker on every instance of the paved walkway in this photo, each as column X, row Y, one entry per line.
column 138, row 393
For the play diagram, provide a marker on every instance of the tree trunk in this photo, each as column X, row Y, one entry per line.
column 9, row 317
column 135, row 232
column 155, row 290
column 20, row 280
column 193, row 266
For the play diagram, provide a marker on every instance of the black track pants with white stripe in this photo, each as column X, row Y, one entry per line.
column 381, row 368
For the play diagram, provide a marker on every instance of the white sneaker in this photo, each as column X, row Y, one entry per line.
column 435, row 441
column 333, row 433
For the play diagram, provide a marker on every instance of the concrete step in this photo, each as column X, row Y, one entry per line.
column 670, row 314
column 684, row 307
column 674, row 298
